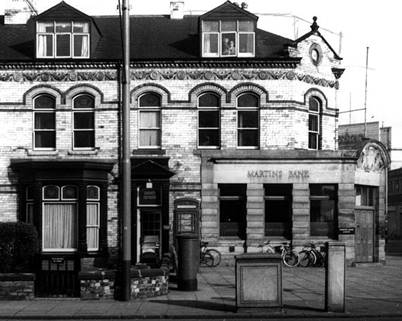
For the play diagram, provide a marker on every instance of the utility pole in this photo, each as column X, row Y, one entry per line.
column 365, row 95
column 126, row 164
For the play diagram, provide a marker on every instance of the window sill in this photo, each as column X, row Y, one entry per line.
column 364, row 207
column 31, row 152
column 146, row 151
column 83, row 152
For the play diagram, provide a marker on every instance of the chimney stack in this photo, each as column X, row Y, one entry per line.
column 18, row 11
column 176, row 9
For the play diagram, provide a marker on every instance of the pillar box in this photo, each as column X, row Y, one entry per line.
column 258, row 280
column 335, row 277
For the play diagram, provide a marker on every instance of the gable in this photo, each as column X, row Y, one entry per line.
column 63, row 11
column 228, row 10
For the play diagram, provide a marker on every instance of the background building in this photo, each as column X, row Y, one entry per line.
column 226, row 118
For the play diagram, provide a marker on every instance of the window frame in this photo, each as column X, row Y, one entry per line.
column 240, row 197
column 76, row 111
column 286, row 195
column 150, row 109
column 37, row 111
column 94, row 201
column 318, row 115
column 71, row 34
column 60, row 200
column 207, row 109
column 331, row 234
column 257, row 129
column 365, row 196
column 220, row 34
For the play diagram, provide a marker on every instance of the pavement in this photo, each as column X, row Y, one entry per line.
column 372, row 291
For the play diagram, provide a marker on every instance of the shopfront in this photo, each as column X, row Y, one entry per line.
column 297, row 196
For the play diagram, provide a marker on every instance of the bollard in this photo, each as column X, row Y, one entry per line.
column 335, row 277
column 188, row 261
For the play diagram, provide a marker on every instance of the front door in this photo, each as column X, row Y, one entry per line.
column 364, row 237
column 149, row 235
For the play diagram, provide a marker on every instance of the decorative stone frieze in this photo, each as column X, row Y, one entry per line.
column 170, row 74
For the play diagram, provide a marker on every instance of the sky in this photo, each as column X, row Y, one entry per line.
column 362, row 24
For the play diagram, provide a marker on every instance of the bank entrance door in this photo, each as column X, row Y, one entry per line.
column 364, row 237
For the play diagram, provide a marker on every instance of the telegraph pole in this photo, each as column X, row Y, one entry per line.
column 126, row 165
column 365, row 95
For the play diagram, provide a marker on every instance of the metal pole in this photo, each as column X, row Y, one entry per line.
column 365, row 95
column 126, row 165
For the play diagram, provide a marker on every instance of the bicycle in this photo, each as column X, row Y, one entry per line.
column 209, row 257
column 289, row 256
column 312, row 255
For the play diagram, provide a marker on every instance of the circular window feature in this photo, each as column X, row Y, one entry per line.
column 315, row 54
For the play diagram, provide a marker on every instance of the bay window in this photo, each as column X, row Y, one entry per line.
column 59, row 218
column 68, row 39
column 228, row 38
column 93, row 217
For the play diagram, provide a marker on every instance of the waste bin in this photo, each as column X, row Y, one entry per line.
column 188, row 260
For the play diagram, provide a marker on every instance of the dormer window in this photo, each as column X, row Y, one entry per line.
column 228, row 38
column 62, row 40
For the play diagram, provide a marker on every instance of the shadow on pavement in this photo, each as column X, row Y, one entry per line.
column 205, row 305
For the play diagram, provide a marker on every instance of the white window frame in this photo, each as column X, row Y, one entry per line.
column 240, row 109
column 95, row 201
column 220, row 34
column 145, row 109
column 318, row 132
column 43, row 111
column 54, row 39
column 208, row 108
column 78, row 111
column 60, row 200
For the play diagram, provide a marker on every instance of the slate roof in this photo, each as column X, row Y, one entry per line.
column 152, row 38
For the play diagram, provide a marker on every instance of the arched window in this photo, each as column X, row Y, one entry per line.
column 44, row 136
column 208, row 121
column 314, row 123
column 84, row 121
column 248, row 121
column 150, row 121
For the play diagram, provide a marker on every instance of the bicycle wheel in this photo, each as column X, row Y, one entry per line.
column 207, row 259
column 216, row 256
column 290, row 259
column 305, row 258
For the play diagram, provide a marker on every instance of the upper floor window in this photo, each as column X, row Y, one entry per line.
column 62, row 39
column 44, row 135
column 228, row 38
column 150, row 121
column 248, row 121
column 314, row 123
column 84, row 122
column 209, row 121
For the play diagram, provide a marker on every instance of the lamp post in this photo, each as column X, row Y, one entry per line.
column 126, row 165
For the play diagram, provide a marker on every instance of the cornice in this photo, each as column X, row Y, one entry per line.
column 154, row 74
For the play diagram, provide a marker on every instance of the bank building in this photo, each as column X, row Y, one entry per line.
column 231, row 125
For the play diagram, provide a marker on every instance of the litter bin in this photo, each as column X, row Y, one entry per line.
column 188, row 260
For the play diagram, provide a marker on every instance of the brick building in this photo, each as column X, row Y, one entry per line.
column 225, row 116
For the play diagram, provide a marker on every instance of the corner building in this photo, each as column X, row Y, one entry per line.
column 225, row 117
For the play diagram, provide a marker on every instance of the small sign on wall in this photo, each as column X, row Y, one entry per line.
column 347, row 230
